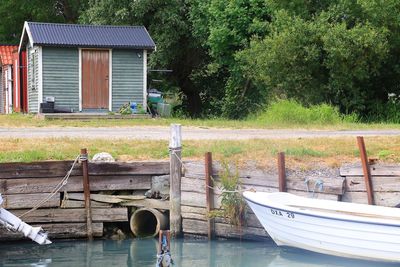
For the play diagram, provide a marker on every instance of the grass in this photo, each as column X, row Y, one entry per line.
column 304, row 153
column 281, row 114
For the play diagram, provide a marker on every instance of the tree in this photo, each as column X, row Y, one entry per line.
column 226, row 29
column 169, row 25
column 14, row 13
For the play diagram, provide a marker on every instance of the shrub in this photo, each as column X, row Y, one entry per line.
column 291, row 112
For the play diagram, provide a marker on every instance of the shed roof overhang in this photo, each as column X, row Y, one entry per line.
column 91, row 36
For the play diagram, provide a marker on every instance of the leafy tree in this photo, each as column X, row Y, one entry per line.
column 14, row 13
column 225, row 28
column 169, row 25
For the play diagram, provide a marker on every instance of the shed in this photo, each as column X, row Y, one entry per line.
column 85, row 67
column 7, row 74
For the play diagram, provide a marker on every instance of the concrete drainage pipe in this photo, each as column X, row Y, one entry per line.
column 147, row 222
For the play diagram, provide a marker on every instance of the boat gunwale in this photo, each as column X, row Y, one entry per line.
column 295, row 210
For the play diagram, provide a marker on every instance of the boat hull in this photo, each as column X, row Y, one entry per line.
column 349, row 236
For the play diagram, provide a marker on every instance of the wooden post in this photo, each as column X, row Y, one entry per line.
column 282, row 172
column 366, row 170
column 175, row 148
column 86, row 191
column 209, row 193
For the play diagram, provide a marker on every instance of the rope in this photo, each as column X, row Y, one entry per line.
column 56, row 189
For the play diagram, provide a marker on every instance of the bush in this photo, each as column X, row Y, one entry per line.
column 292, row 112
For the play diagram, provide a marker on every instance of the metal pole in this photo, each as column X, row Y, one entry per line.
column 175, row 148
column 366, row 170
column 86, row 191
column 282, row 172
column 209, row 193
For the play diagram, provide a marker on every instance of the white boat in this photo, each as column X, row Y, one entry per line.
column 329, row 227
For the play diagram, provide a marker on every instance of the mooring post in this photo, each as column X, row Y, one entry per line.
column 209, row 193
column 366, row 170
column 282, row 172
column 175, row 149
column 86, row 190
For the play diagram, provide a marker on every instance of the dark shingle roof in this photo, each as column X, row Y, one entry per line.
column 52, row 34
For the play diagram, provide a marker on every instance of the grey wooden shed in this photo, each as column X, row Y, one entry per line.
column 86, row 67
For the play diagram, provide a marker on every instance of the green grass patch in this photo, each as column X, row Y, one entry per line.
column 282, row 114
column 290, row 112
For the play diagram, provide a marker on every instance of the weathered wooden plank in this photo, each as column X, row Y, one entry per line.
column 251, row 219
column 388, row 199
column 97, row 183
column 113, row 199
column 197, row 210
column 129, row 168
column 48, row 169
column 148, row 203
column 58, row 230
column 197, row 199
column 195, row 182
column 27, row 201
column 74, row 215
column 37, row 169
column 71, row 204
column 379, row 183
column 199, row 227
column 335, row 186
column 376, row 170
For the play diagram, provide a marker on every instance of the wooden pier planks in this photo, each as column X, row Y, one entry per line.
column 385, row 182
column 257, row 177
column 97, row 183
column 58, row 230
column 28, row 201
column 49, row 169
column 74, row 215
column 23, row 185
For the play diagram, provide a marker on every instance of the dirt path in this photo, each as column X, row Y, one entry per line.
column 188, row 133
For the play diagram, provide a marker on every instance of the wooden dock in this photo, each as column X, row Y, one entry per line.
column 63, row 215
column 119, row 188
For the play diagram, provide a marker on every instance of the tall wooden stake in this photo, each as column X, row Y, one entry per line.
column 86, row 191
column 175, row 148
column 209, row 193
column 282, row 172
column 366, row 170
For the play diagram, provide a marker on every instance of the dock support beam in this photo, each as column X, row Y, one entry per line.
column 175, row 148
column 366, row 170
column 282, row 172
column 86, row 191
column 209, row 193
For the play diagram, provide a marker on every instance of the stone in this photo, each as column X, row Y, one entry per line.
column 103, row 157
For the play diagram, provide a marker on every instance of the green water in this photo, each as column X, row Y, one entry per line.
column 104, row 253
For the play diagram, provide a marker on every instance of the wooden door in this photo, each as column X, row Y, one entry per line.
column 95, row 83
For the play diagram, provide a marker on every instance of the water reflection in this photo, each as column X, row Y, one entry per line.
column 102, row 253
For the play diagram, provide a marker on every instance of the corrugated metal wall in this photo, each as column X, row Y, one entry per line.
column 61, row 76
column 33, row 78
column 127, row 77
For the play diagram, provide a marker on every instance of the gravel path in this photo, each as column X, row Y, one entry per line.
column 188, row 133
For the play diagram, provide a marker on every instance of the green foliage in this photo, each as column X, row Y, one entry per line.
column 125, row 109
column 291, row 112
column 14, row 13
column 230, row 58
column 233, row 206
